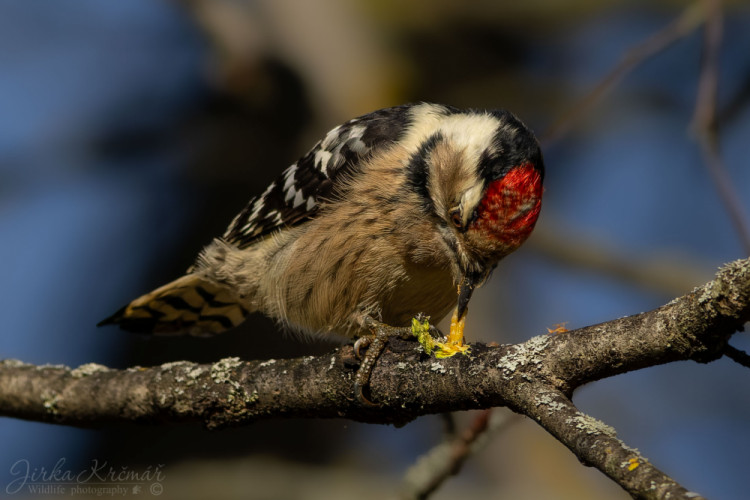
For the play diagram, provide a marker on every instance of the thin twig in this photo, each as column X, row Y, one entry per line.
column 664, row 272
column 737, row 355
column 685, row 24
column 446, row 459
column 449, row 425
column 705, row 125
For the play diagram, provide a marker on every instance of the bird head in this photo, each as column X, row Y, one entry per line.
column 485, row 174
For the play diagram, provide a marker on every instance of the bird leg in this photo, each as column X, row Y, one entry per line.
column 421, row 329
column 374, row 344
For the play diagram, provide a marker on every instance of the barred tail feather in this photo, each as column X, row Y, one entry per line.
column 188, row 305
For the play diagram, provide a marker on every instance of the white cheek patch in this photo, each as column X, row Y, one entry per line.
column 470, row 200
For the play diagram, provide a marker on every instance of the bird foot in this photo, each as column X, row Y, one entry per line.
column 374, row 343
column 432, row 341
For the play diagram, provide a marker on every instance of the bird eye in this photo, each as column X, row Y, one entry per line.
column 456, row 218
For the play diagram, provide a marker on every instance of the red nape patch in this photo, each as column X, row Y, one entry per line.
column 510, row 207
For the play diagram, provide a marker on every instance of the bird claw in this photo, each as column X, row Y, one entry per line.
column 381, row 333
column 359, row 344
column 360, row 395
column 375, row 344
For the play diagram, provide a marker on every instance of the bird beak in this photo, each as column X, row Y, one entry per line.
column 465, row 289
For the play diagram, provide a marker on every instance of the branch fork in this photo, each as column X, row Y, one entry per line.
column 535, row 378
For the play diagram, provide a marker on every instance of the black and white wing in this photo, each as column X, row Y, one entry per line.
column 297, row 193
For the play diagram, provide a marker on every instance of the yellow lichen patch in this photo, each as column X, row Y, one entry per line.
column 453, row 345
column 633, row 464
column 449, row 349
column 421, row 330
column 558, row 328
column 455, row 341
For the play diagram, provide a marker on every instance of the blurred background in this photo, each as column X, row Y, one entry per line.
column 132, row 132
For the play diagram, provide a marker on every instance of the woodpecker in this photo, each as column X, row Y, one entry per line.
column 401, row 211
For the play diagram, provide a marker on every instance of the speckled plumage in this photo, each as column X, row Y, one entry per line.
column 382, row 218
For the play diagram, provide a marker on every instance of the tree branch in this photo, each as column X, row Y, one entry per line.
column 686, row 23
column 705, row 124
column 446, row 459
column 737, row 356
column 665, row 272
column 535, row 378
column 596, row 444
